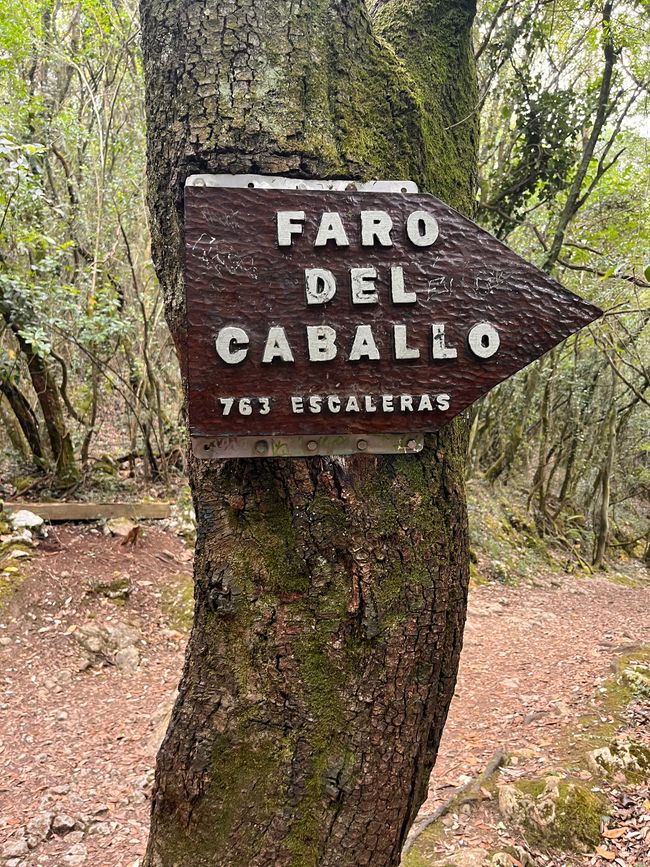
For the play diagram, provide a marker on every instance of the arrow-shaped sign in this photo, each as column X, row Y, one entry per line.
column 320, row 313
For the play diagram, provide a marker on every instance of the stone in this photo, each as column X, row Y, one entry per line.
column 103, row 643
column 5, row 641
column 63, row 824
column 38, row 829
column 468, row 858
column 118, row 588
column 15, row 846
column 75, row 856
column 622, row 760
column 24, row 519
column 553, row 813
column 119, row 527
column 128, row 658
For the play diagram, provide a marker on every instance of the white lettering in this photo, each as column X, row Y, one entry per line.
column 333, row 403
column 297, row 405
column 277, row 346
column 425, row 403
column 315, row 403
column 422, row 228
column 321, row 342
column 230, row 345
column 352, row 405
column 331, row 229
column 363, row 285
column 289, row 224
column 484, row 340
column 320, row 285
column 368, row 404
column 402, row 350
column 443, row 401
column 397, row 291
column 376, row 225
column 364, row 345
column 406, row 402
column 439, row 350
column 387, row 402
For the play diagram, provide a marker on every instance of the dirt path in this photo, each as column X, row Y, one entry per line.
column 80, row 744
column 532, row 663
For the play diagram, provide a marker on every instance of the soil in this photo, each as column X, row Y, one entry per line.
column 79, row 742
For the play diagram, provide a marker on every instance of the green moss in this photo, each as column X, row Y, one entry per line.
column 177, row 602
column 559, row 815
column 274, row 552
column 425, row 852
column 534, row 788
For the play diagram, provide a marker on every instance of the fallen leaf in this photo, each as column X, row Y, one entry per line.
column 614, row 833
column 607, row 854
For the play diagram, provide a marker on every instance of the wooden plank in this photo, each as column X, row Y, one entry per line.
column 93, row 511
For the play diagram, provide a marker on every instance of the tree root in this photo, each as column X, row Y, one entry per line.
column 462, row 795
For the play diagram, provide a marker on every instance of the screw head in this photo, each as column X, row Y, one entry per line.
column 412, row 444
column 261, row 447
column 362, row 445
column 199, row 182
column 312, row 445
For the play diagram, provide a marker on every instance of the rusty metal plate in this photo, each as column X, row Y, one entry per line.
column 391, row 313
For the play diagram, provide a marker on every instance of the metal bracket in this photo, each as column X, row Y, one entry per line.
column 216, row 448
column 275, row 182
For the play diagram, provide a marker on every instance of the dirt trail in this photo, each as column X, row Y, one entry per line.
column 80, row 744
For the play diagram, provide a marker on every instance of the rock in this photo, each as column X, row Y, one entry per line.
column 18, row 554
column 24, row 519
column 102, row 828
column 63, row 824
column 75, row 837
column 120, row 527
column 623, row 760
column 75, row 856
column 38, row 829
column 102, row 643
column 505, row 859
column 15, row 846
column 128, row 658
column 553, row 813
column 5, row 641
column 468, row 858
column 118, row 588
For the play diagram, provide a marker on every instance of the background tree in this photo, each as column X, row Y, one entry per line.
column 330, row 593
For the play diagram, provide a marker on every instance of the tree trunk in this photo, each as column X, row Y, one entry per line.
column 330, row 593
column 51, row 403
column 14, row 431
column 26, row 419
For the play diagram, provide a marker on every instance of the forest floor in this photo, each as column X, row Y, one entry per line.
column 78, row 738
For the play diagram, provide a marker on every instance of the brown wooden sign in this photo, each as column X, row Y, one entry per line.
column 320, row 313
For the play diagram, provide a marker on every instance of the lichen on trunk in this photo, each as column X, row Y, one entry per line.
column 329, row 593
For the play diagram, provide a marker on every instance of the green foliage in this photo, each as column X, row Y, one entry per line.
column 76, row 282
column 573, row 427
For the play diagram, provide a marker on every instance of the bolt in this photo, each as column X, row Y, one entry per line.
column 261, row 447
column 199, row 182
column 312, row 445
column 362, row 445
column 412, row 444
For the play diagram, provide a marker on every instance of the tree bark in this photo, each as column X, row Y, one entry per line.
column 26, row 419
column 330, row 593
